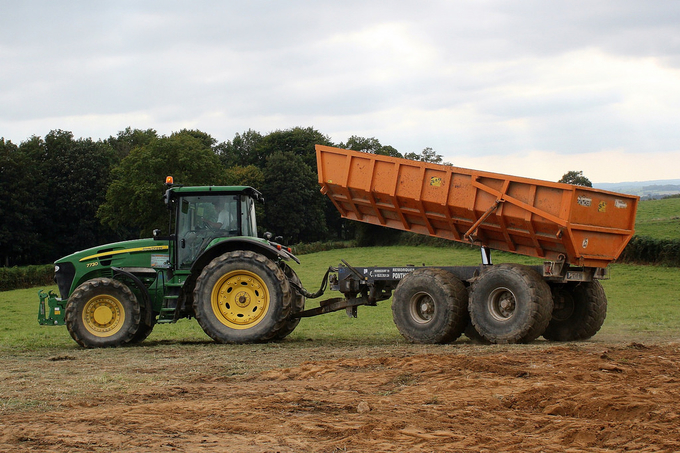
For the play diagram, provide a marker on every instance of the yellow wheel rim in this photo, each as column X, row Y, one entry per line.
column 240, row 299
column 103, row 315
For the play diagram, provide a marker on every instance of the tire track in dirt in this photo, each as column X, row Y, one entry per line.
column 562, row 398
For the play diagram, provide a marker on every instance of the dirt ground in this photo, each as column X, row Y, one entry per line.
column 554, row 398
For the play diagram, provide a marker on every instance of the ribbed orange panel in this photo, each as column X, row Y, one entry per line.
column 530, row 217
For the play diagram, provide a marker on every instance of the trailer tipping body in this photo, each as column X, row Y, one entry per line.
column 578, row 225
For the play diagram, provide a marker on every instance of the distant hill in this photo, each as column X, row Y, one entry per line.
column 644, row 189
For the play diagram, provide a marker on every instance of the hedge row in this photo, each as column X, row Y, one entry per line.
column 26, row 277
column 646, row 250
column 313, row 247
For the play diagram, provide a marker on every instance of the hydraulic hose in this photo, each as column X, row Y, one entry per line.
column 322, row 289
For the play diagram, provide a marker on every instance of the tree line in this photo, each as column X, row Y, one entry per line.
column 59, row 194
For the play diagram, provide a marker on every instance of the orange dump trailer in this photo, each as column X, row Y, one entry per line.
column 549, row 220
column 577, row 231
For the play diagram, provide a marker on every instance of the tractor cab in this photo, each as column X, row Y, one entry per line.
column 204, row 216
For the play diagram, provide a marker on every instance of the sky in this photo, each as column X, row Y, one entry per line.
column 533, row 88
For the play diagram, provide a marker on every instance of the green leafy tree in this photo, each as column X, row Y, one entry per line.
column 133, row 199
column 245, row 176
column 73, row 176
column 388, row 150
column 242, row 150
column 252, row 148
column 294, row 206
column 298, row 141
column 128, row 139
column 19, row 209
column 427, row 155
column 369, row 145
column 576, row 178
column 248, row 176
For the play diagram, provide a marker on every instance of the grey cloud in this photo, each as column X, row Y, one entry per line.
column 270, row 64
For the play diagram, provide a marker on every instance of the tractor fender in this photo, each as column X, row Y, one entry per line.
column 144, row 292
column 266, row 248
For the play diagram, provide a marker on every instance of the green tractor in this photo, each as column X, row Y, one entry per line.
column 212, row 267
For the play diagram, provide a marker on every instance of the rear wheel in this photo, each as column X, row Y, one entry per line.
column 242, row 297
column 580, row 310
column 430, row 306
column 101, row 313
column 298, row 305
column 510, row 303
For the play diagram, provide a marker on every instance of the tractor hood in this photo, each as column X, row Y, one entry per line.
column 133, row 253
column 73, row 269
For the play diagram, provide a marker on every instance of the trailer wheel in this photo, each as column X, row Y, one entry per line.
column 510, row 303
column 241, row 297
column 473, row 335
column 298, row 304
column 580, row 310
column 430, row 306
column 102, row 313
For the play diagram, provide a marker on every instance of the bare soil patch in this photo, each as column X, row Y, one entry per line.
column 294, row 398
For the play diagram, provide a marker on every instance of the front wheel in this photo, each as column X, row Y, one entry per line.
column 143, row 332
column 510, row 303
column 101, row 313
column 580, row 310
column 242, row 297
column 430, row 306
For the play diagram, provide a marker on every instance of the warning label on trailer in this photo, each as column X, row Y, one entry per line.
column 386, row 273
column 620, row 204
column 584, row 201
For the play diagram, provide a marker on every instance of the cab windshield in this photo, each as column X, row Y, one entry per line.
column 201, row 219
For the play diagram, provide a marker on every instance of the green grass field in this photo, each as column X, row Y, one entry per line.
column 659, row 219
column 644, row 304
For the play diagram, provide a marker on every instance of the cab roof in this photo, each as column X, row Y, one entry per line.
column 216, row 190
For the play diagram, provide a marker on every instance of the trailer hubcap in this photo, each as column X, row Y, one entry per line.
column 240, row 299
column 422, row 307
column 103, row 315
column 501, row 304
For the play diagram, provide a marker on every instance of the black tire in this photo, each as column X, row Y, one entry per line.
column 580, row 310
column 102, row 313
column 242, row 297
column 473, row 335
column 143, row 332
column 298, row 304
column 510, row 303
column 430, row 306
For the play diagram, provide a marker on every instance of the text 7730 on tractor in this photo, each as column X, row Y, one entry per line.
column 212, row 267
